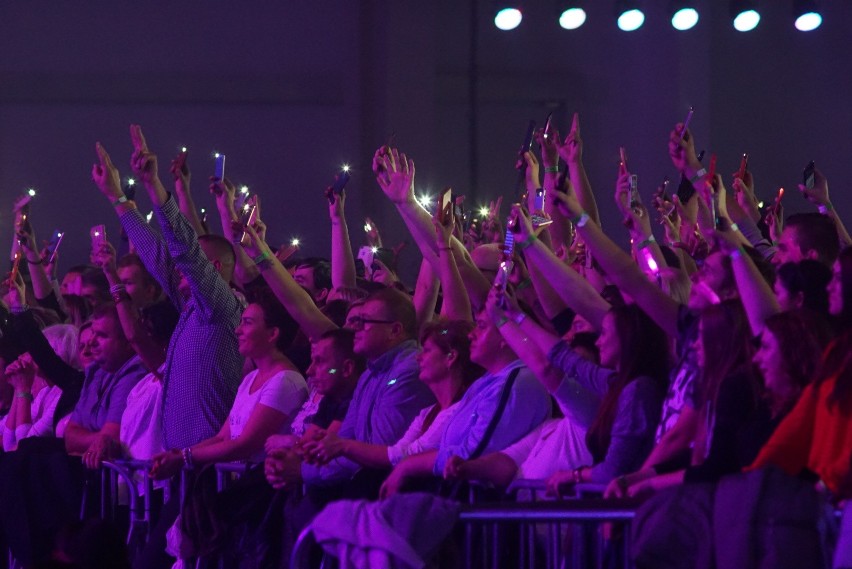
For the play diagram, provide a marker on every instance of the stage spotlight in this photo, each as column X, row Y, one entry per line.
column 572, row 16
column 745, row 15
column 684, row 15
column 630, row 16
column 807, row 14
column 508, row 18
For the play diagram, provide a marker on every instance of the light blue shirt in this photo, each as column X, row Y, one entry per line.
column 388, row 397
column 527, row 407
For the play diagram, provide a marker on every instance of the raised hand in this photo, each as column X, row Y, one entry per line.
column 818, row 195
column 143, row 162
column 396, row 176
column 444, row 231
column 104, row 257
column 106, row 176
column 682, row 150
column 180, row 171
column 744, row 194
column 532, row 172
column 374, row 238
column 336, row 205
column 566, row 201
column 549, row 146
column 571, row 149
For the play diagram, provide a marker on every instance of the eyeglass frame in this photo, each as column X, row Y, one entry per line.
column 358, row 322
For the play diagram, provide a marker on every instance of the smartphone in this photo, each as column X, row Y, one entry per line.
column 743, row 167
column 16, row 267
column 808, row 175
column 53, row 246
column 683, row 135
column 219, row 172
column 248, row 217
column 98, row 235
column 337, row 187
column 526, row 146
column 685, row 190
column 622, row 156
column 445, row 204
column 180, row 162
column 778, row 197
column 547, row 121
column 635, row 199
column 538, row 201
column 711, row 171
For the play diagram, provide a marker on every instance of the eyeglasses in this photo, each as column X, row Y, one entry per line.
column 357, row 322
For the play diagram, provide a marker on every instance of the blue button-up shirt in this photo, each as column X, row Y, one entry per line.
column 389, row 395
column 527, row 407
column 104, row 394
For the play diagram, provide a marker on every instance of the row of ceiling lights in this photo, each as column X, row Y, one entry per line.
column 745, row 15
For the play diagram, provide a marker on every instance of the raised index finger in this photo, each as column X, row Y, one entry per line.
column 575, row 124
column 138, row 138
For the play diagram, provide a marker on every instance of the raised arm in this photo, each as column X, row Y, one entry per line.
column 425, row 294
column 396, row 178
column 149, row 245
column 150, row 353
column 456, row 303
column 224, row 191
column 620, row 267
column 42, row 287
column 818, row 195
column 180, row 170
column 295, row 299
column 211, row 293
column 571, row 150
column 342, row 260
column 576, row 291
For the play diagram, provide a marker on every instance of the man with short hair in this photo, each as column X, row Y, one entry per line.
column 142, row 288
column 389, row 393
column 314, row 275
column 808, row 236
column 94, row 425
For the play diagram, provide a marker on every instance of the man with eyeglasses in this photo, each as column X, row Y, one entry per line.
column 388, row 396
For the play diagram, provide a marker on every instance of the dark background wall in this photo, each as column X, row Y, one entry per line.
column 290, row 90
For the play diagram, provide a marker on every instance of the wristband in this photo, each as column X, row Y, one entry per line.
column 581, row 219
column 39, row 262
column 526, row 242
column 519, row 317
column 646, row 242
column 825, row 208
column 501, row 322
column 266, row 255
column 737, row 253
column 117, row 288
column 734, row 227
column 551, row 169
column 25, row 395
column 120, row 200
column 698, row 175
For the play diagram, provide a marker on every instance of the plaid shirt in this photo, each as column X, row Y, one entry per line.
column 203, row 367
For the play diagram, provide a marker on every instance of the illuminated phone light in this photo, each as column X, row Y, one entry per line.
column 216, row 155
column 60, row 234
column 345, row 167
column 425, row 200
column 760, row 204
column 244, row 189
column 203, row 211
column 295, row 241
column 246, row 207
column 31, row 192
column 374, row 250
column 368, row 227
column 572, row 18
column 484, row 212
column 149, row 216
column 631, row 20
column 131, row 182
column 97, row 233
column 508, row 19
column 183, row 149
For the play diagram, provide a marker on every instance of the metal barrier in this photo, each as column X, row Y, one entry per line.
column 488, row 546
column 140, row 524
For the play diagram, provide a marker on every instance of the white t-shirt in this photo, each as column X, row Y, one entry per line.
column 141, row 432
column 41, row 412
column 557, row 444
column 285, row 391
column 415, row 441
